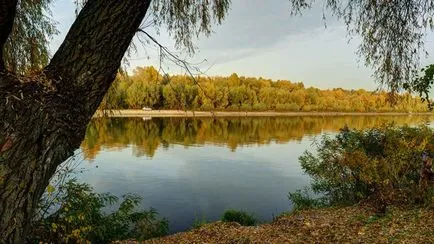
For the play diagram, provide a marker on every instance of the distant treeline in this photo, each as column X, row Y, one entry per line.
column 147, row 88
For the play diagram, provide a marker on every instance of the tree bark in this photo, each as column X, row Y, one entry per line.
column 7, row 16
column 43, row 118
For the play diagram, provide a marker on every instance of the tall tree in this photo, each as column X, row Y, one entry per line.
column 44, row 116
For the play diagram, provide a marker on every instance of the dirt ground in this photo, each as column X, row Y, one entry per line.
column 333, row 225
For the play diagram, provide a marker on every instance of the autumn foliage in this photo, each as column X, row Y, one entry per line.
column 330, row 225
column 378, row 165
column 148, row 88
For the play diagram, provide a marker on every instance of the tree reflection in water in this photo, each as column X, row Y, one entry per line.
column 147, row 135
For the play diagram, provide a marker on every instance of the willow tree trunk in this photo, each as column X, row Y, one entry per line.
column 43, row 118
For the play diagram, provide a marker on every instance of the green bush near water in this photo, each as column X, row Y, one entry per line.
column 377, row 165
column 302, row 200
column 241, row 217
column 79, row 217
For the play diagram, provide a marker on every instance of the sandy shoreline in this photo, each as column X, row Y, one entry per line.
column 181, row 113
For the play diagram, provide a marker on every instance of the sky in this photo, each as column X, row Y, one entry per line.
column 259, row 39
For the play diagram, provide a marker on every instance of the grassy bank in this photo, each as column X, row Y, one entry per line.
column 181, row 113
column 331, row 225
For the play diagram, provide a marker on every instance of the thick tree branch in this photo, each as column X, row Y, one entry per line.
column 7, row 16
column 92, row 51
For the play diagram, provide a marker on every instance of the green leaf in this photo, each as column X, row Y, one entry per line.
column 50, row 189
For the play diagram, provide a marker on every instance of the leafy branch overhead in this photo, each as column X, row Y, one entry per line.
column 26, row 49
column 423, row 84
column 392, row 36
column 184, row 19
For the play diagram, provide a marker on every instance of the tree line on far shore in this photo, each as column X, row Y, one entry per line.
column 146, row 87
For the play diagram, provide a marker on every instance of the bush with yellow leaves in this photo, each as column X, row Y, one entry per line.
column 378, row 165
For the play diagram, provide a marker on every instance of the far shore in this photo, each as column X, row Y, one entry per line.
column 182, row 113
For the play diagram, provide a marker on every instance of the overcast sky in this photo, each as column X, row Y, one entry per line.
column 260, row 38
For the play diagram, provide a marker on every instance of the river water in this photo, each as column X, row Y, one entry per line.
column 196, row 168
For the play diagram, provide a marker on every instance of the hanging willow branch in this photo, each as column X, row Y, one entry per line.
column 165, row 53
column 392, row 36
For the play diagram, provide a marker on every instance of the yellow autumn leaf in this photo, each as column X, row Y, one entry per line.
column 50, row 189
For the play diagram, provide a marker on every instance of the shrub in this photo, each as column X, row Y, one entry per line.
column 241, row 217
column 77, row 215
column 302, row 200
column 260, row 107
column 288, row 107
column 380, row 165
column 246, row 107
column 199, row 222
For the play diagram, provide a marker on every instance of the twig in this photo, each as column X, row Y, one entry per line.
column 165, row 52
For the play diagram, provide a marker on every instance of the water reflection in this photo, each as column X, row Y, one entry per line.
column 146, row 135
